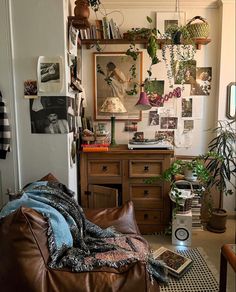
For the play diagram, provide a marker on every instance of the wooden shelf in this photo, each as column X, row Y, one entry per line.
column 90, row 42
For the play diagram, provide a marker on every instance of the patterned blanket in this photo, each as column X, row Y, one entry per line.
column 76, row 243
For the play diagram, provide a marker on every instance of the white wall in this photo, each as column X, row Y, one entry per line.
column 227, row 70
column 39, row 28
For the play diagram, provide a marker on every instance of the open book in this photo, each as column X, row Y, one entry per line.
column 176, row 264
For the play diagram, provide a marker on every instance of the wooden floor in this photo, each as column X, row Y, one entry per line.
column 210, row 242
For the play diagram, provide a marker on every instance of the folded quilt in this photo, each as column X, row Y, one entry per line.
column 76, row 243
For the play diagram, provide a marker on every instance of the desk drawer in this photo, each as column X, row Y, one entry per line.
column 144, row 168
column 148, row 217
column 146, row 196
column 104, row 168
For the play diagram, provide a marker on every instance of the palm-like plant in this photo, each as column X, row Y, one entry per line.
column 220, row 159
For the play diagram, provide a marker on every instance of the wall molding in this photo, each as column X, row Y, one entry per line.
column 162, row 4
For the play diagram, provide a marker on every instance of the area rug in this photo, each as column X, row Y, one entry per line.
column 201, row 277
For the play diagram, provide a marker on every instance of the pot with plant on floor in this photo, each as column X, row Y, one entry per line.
column 221, row 164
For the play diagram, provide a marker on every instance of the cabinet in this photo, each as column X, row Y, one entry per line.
column 124, row 171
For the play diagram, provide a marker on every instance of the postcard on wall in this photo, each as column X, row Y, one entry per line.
column 50, row 74
column 177, row 264
column 73, row 40
column 203, row 81
column 30, row 89
column 169, row 122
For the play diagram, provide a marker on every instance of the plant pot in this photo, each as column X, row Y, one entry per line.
column 190, row 175
column 176, row 37
column 217, row 221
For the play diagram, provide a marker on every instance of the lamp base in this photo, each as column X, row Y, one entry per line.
column 113, row 141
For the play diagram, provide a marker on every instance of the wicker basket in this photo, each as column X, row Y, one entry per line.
column 198, row 29
column 185, row 204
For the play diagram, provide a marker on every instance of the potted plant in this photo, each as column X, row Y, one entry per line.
column 149, row 34
column 221, row 164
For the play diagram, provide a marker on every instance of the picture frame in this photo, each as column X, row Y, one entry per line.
column 176, row 264
column 113, row 77
column 164, row 18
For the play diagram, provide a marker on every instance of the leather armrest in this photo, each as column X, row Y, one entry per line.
column 122, row 218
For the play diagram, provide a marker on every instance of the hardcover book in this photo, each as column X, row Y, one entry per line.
column 176, row 264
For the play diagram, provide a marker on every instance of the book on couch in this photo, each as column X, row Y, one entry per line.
column 177, row 264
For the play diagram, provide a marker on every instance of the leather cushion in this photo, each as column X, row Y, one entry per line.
column 121, row 218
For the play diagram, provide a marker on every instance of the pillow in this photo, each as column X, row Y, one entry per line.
column 122, row 218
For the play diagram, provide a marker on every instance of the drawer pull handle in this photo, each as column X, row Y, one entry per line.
column 146, row 192
column 104, row 168
column 145, row 216
column 146, row 168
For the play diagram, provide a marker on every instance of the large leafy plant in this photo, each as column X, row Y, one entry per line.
column 220, row 160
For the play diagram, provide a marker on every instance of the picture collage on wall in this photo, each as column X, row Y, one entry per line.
column 179, row 108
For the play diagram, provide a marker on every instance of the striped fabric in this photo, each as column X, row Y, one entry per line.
column 5, row 133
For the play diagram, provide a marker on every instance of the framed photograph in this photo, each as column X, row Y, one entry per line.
column 166, row 18
column 117, row 75
column 176, row 264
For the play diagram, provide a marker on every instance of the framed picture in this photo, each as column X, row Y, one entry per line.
column 166, row 18
column 117, row 75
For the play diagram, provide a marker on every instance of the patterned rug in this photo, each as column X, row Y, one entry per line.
column 201, row 277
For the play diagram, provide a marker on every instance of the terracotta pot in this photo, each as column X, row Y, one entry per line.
column 81, row 9
column 217, row 221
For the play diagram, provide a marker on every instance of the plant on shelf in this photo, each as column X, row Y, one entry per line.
column 220, row 161
column 149, row 34
column 178, row 171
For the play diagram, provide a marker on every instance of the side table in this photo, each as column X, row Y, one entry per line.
column 228, row 255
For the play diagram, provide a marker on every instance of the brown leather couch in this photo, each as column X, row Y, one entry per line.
column 24, row 255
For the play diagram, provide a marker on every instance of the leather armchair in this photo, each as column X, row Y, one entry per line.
column 24, row 255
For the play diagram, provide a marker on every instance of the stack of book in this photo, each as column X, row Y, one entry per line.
column 102, row 29
column 196, row 213
column 95, row 147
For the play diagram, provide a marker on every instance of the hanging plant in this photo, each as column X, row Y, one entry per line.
column 176, row 50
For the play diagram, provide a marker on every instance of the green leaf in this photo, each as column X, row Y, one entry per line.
column 149, row 19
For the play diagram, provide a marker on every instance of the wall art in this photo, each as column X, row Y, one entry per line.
column 50, row 73
column 166, row 18
column 116, row 74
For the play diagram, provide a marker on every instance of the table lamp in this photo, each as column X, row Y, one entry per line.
column 143, row 102
column 114, row 106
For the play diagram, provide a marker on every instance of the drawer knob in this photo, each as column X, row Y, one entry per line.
column 146, row 168
column 104, row 168
column 145, row 216
column 146, row 192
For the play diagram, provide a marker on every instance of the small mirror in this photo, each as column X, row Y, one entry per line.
column 231, row 101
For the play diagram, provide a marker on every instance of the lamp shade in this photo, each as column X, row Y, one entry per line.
column 143, row 102
column 113, row 105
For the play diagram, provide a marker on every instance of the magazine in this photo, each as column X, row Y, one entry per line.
column 176, row 264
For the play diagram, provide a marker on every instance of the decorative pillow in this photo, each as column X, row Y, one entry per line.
column 121, row 218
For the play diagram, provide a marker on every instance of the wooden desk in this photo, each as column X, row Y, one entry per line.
column 228, row 255
column 125, row 170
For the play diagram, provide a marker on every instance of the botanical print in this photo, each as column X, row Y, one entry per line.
column 155, row 89
column 187, row 107
column 203, row 81
column 117, row 75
